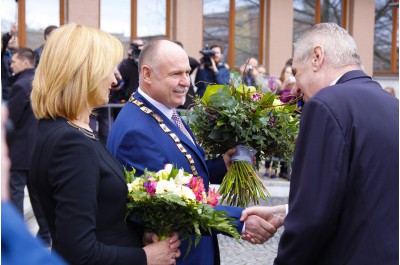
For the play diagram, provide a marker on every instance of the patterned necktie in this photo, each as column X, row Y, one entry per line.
column 177, row 119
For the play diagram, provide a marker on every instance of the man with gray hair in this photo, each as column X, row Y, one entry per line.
column 343, row 202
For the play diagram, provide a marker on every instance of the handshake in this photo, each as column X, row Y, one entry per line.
column 262, row 222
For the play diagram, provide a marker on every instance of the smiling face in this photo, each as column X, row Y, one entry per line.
column 167, row 81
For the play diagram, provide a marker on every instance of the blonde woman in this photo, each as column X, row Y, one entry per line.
column 80, row 186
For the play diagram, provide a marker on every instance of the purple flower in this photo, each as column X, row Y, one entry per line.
column 271, row 122
column 256, row 97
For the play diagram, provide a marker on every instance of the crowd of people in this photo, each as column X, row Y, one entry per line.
column 339, row 212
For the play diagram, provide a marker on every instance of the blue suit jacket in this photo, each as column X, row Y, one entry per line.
column 18, row 246
column 343, row 202
column 137, row 140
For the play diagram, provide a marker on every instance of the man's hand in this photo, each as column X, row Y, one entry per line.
column 274, row 216
column 258, row 230
column 213, row 65
column 228, row 157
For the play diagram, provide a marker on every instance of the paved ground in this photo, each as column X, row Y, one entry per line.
column 244, row 253
column 232, row 252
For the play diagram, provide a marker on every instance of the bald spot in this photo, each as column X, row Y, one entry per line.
column 158, row 52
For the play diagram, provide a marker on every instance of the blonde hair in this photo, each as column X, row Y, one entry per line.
column 74, row 62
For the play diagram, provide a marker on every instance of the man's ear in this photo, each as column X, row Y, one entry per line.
column 317, row 58
column 26, row 64
column 146, row 73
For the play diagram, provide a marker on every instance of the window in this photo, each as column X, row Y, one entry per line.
column 151, row 18
column 307, row 13
column 247, row 31
column 331, row 11
column 36, row 22
column 115, row 18
column 8, row 14
column 386, row 46
column 216, row 24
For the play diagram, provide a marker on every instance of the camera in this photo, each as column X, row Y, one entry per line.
column 136, row 49
column 207, row 53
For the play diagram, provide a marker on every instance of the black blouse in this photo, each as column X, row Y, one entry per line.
column 82, row 190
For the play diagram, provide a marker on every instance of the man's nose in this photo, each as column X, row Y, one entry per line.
column 185, row 81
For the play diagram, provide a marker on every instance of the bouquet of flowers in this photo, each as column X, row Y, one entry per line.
column 259, row 124
column 172, row 200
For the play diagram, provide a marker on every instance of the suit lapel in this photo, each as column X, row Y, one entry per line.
column 171, row 125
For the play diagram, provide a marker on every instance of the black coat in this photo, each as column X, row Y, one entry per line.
column 130, row 73
column 344, row 191
column 22, row 138
column 82, row 191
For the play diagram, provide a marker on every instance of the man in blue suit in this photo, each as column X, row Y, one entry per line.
column 344, row 191
column 144, row 135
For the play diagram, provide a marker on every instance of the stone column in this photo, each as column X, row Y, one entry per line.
column 362, row 28
column 83, row 12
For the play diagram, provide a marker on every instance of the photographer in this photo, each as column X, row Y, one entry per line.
column 211, row 70
column 129, row 71
column 252, row 77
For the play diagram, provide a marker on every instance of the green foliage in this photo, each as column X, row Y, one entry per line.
column 227, row 116
column 165, row 212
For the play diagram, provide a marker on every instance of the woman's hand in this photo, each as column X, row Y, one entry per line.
column 163, row 252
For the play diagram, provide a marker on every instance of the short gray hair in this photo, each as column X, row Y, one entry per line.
column 339, row 47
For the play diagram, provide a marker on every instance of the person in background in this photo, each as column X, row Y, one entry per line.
column 22, row 138
column 390, row 90
column 128, row 69
column 142, row 140
column 252, row 77
column 9, row 44
column 17, row 244
column 211, row 70
column 38, row 51
column 288, row 82
column 193, row 66
column 81, row 187
column 344, row 190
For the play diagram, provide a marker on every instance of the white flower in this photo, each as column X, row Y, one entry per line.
column 134, row 185
column 187, row 193
column 165, row 186
column 164, row 173
column 181, row 179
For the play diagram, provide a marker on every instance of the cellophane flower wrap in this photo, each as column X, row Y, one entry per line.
column 259, row 124
column 172, row 200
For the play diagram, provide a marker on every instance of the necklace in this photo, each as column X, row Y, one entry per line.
column 83, row 130
column 167, row 130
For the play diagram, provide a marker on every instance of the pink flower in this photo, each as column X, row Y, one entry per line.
column 197, row 186
column 212, row 198
column 150, row 187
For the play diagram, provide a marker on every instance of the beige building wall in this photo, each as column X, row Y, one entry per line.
column 187, row 25
column 85, row 12
column 279, row 35
column 361, row 27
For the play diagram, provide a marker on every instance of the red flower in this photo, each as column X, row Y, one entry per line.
column 212, row 198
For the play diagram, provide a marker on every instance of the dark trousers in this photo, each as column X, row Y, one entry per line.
column 18, row 180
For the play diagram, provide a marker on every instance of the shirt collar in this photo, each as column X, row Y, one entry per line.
column 335, row 81
column 161, row 107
